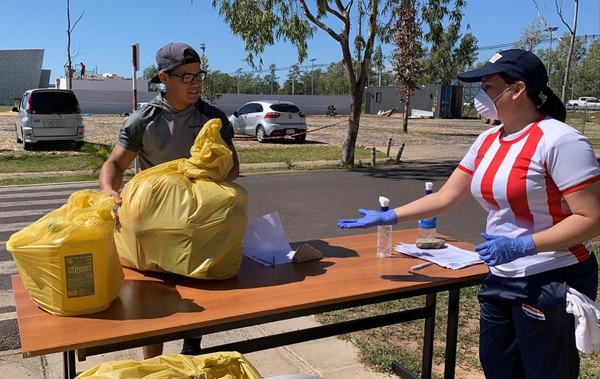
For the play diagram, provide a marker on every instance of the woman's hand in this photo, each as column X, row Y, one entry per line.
column 498, row 250
column 371, row 218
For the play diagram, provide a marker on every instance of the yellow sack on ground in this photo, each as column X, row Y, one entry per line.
column 67, row 259
column 182, row 217
column 222, row 365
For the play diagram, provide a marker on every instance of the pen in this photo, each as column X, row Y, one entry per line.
column 420, row 266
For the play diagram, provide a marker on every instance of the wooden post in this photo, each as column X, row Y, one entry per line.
column 389, row 147
column 400, row 152
column 373, row 157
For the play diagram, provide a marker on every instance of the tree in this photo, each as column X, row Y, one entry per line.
column 149, row 73
column 531, row 36
column 573, row 31
column 587, row 73
column 444, row 59
column 69, row 66
column 408, row 55
column 259, row 23
column 378, row 64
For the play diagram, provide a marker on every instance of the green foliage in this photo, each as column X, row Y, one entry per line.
column 445, row 59
column 96, row 155
column 149, row 73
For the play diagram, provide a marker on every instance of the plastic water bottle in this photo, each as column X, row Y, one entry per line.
column 384, row 232
column 427, row 226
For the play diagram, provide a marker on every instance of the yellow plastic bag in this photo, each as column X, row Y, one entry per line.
column 67, row 259
column 223, row 365
column 182, row 217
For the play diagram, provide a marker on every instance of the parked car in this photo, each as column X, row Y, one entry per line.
column 47, row 114
column 584, row 102
column 269, row 118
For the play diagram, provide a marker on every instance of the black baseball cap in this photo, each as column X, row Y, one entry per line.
column 519, row 64
column 174, row 55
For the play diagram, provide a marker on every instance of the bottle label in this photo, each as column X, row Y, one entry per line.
column 428, row 223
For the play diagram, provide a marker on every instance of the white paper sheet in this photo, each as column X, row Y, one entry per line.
column 451, row 257
column 265, row 241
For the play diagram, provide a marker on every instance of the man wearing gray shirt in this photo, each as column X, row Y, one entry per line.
column 164, row 130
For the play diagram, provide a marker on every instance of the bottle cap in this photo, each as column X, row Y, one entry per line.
column 384, row 201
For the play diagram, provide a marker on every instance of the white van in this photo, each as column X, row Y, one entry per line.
column 47, row 114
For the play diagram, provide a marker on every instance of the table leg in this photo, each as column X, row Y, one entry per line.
column 69, row 364
column 451, row 333
column 427, row 363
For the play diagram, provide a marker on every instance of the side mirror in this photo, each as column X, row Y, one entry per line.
column 15, row 109
column 235, row 114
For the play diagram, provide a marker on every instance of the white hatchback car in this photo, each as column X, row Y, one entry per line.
column 269, row 119
column 48, row 114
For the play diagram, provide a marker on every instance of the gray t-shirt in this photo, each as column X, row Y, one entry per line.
column 159, row 133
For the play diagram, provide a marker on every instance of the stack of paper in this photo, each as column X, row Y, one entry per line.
column 450, row 257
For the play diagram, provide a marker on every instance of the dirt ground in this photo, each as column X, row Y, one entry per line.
column 373, row 131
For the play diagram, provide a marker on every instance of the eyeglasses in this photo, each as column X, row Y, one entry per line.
column 188, row 78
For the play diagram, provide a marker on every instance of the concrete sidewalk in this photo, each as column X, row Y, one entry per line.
column 326, row 358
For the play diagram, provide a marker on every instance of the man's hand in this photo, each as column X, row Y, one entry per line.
column 371, row 218
column 498, row 250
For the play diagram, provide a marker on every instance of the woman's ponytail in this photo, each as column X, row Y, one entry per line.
column 553, row 106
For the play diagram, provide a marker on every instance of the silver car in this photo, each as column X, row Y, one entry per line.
column 48, row 115
column 270, row 120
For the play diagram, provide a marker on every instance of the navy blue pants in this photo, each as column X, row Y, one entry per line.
column 525, row 331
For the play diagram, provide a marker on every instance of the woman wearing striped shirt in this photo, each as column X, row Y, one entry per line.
column 539, row 180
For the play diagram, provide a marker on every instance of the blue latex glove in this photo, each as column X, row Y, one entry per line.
column 371, row 218
column 498, row 250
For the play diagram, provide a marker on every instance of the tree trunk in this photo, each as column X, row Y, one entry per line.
column 347, row 158
column 565, row 85
column 406, row 111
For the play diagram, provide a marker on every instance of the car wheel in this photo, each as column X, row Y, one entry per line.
column 260, row 134
column 27, row 146
column 19, row 140
column 301, row 138
column 78, row 145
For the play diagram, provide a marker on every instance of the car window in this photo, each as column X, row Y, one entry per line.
column 291, row 108
column 258, row 108
column 246, row 109
column 23, row 104
column 49, row 102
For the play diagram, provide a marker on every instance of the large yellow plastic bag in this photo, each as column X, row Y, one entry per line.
column 67, row 259
column 222, row 365
column 182, row 217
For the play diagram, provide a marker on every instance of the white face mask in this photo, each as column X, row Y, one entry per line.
column 486, row 106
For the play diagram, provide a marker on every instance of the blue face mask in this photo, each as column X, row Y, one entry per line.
column 486, row 106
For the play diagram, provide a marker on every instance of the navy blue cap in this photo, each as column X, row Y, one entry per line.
column 518, row 64
column 174, row 55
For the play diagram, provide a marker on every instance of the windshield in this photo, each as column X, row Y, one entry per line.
column 285, row 108
column 53, row 102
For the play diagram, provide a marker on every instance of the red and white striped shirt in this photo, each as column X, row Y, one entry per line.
column 521, row 180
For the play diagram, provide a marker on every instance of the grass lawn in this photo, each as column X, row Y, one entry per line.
column 403, row 342
column 92, row 157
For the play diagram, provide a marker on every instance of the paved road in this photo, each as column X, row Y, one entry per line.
column 309, row 204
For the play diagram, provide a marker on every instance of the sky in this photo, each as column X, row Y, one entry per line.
column 103, row 37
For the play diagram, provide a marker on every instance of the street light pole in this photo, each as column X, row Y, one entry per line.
column 202, row 47
column 312, row 77
column 550, row 29
column 239, row 71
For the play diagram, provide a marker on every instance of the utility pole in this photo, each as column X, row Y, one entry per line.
column 238, row 71
column 550, row 29
column 312, row 77
column 202, row 47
